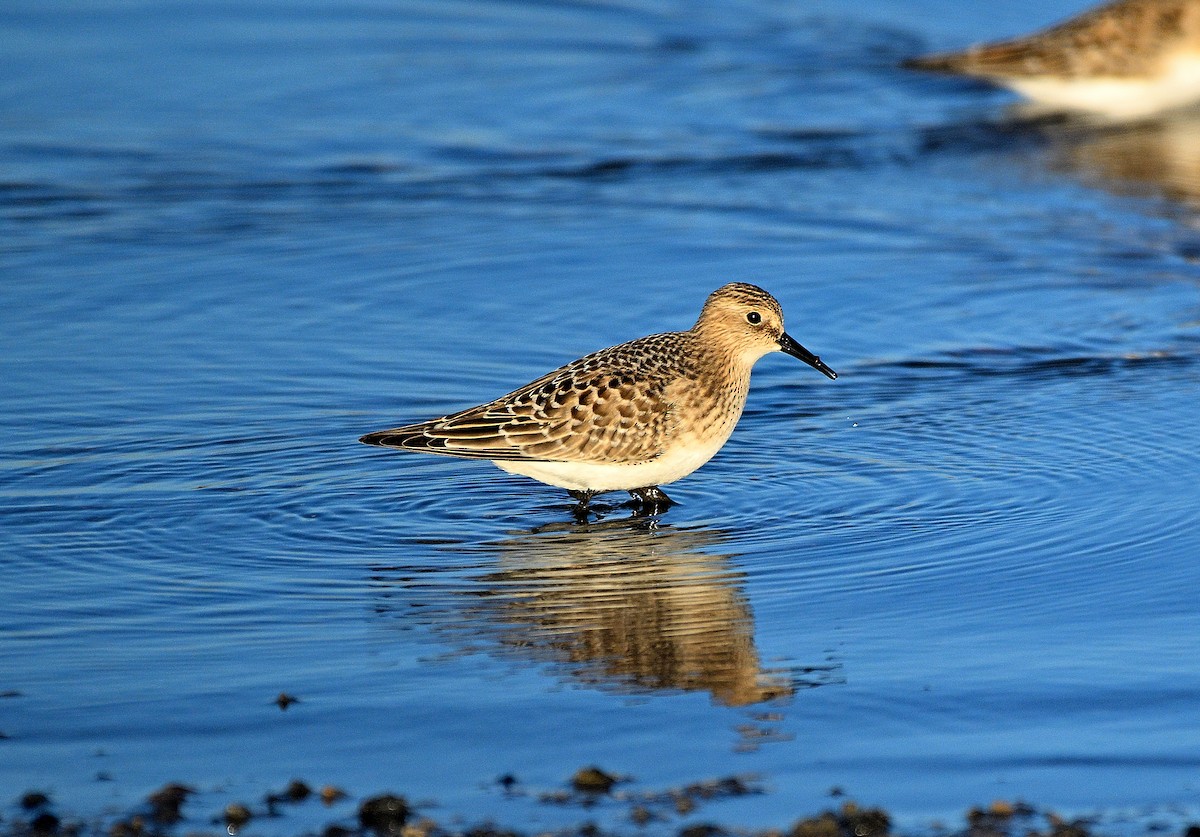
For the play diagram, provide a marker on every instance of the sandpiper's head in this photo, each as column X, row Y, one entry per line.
column 748, row 321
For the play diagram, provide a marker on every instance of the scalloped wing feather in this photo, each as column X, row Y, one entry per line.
column 609, row 407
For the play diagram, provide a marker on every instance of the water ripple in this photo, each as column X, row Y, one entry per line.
column 894, row 492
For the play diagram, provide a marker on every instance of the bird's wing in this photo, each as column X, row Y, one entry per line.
column 609, row 407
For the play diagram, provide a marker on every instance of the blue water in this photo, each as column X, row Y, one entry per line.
column 233, row 238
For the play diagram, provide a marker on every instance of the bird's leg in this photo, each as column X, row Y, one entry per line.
column 651, row 500
column 582, row 497
column 582, row 505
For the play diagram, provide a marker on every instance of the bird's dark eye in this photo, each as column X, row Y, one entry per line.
column 754, row 318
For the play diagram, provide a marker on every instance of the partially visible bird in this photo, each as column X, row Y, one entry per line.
column 1124, row 60
column 631, row 417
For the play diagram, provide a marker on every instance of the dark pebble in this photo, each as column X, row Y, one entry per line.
column 822, row 825
column 733, row 786
column 44, row 823
column 850, row 821
column 297, row 791
column 1074, row 828
column 134, row 827
column 34, row 799
column 593, row 780
column 166, row 802
column 384, row 814
column 865, row 822
column 236, row 815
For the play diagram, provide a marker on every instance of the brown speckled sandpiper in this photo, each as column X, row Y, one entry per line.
column 1124, row 60
column 628, row 418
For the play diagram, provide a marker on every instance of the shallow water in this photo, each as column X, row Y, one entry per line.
column 236, row 239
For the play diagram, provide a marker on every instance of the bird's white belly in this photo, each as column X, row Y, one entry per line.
column 1120, row 98
column 677, row 462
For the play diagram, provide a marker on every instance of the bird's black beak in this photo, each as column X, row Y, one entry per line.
column 790, row 347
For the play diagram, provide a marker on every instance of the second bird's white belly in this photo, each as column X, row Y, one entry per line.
column 1178, row 84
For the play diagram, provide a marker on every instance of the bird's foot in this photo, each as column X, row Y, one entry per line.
column 650, row 500
column 582, row 509
column 583, row 498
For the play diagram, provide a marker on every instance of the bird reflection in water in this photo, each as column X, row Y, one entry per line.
column 629, row 605
column 1155, row 157
column 1158, row 157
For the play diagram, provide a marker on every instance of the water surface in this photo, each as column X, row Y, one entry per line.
column 235, row 239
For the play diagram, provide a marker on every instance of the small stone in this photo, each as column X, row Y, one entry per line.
column 34, row 799
column 1074, row 828
column 133, row 827
column 684, row 804
column 236, row 815
column 385, row 815
column 166, row 802
column 297, row 791
column 823, row 825
column 43, row 824
column 733, row 786
column 331, row 794
column 865, row 822
column 1000, row 808
column 593, row 780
